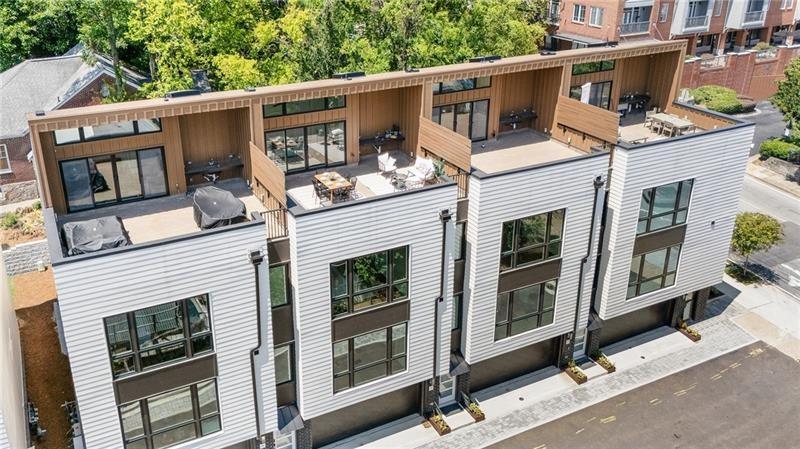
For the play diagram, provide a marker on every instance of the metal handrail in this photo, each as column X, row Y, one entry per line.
column 634, row 27
column 697, row 21
column 753, row 16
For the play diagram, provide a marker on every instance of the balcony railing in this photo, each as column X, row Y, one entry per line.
column 767, row 54
column 634, row 28
column 754, row 16
column 713, row 62
column 553, row 11
column 695, row 22
column 276, row 223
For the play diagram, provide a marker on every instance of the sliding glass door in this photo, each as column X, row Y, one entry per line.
column 109, row 179
column 470, row 119
column 308, row 147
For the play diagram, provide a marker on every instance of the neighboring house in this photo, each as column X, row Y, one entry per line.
column 13, row 409
column 721, row 34
column 545, row 229
column 46, row 84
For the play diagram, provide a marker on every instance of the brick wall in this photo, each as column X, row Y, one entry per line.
column 23, row 257
column 608, row 31
column 18, row 148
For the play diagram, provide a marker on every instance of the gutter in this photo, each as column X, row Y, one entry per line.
column 445, row 217
column 261, row 351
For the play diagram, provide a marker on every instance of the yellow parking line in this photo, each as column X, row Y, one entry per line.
column 591, row 419
column 717, row 376
column 655, row 401
column 608, row 419
column 579, row 430
column 680, row 393
column 736, row 365
column 544, row 446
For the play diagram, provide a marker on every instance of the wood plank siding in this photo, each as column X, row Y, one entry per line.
column 604, row 125
column 448, row 145
column 268, row 180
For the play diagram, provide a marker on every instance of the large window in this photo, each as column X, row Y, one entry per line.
column 664, row 206
column 368, row 281
column 663, row 13
column 303, row 106
column 447, row 87
column 171, row 418
column 578, row 13
column 531, row 239
column 460, row 241
column 279, row 285
column 308, row 147
column 109, row 179
column 117, row 129
column 5, row 162
column 652, row 271
column 599, row 94
column 596, row 16
column 458, row 309
column 284, row 363
column 370, row 356
column 159, row 334
column 592, row 67
column 470, row 119
column 525, row 309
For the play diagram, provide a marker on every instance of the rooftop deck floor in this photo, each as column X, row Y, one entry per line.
column 633, row 130
column 161, row 218
column 518, row 149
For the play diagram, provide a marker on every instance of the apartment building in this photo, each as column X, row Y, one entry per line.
column 374, row 247
column 720, row 34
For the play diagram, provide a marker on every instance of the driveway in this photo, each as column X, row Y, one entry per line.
column 740, row 400
column 769, row 123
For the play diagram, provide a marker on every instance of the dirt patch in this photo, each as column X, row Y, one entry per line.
column 23, row 225
column 47, row 376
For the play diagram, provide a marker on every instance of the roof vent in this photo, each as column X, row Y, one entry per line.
column 486, row 58
column 249, row 89
column 348, row 75
column 547, row 53
column 411, row 69
column 200, row 79
column 183, row 93
column 40, row 113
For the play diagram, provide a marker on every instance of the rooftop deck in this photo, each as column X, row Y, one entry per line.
column 162, row 218
column 633, row 130
column 370, row 182
column 518, row 149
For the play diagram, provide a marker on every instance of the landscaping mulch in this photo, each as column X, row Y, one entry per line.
column 28, row 228
column 47, row 376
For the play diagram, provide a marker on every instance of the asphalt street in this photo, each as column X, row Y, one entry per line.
column 746, row 399
column 769, row 123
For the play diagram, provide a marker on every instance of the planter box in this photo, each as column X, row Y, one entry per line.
column 609, row 369
column 477, row 417
column 690, row 336
column 573, row 376
column 444, row 430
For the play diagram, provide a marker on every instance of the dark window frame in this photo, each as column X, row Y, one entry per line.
column 389, row 357
column 585, row 68
column 675, row 211
column 291, row 363
column 197, row 418
column 307, row 167
column 389, row 285
column 515, row 249
column 461, row 236
column 458, row 311
column 119, row 200
column 471, row 114
column 539, row 313
column 326, row 107
column 136, row 352
column 82, row 138
column 474, row 84
column 604, row 105
column 664, row 275
column 287, row 284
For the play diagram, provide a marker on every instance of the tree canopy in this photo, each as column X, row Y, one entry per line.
column 260, row 42
column 787, row 98
column 755, row 232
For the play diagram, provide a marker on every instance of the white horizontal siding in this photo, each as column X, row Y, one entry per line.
column 717, row 163
column 495, row 200
column 216, row 264
column 319, row 239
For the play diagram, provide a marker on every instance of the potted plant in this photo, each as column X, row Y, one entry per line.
column 438, row 423
column 475, row 412
column 603, row 361
column 438, row 168
column 575, row 373
column 688, row 331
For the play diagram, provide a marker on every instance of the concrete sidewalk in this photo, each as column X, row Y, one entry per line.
column 741, row 317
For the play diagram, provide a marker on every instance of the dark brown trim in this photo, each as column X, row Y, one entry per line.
column 151, row 383
column 371, row 320
column 286, row 393
column 462, row 209
column 282, row 324
column 458, row 277
column 652, row 241
column 278, row 251
column 534, row 274
column 455, row 340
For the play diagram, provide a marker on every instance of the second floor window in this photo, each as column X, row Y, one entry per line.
column 663, row 13
column 578, row 13
column 599, row 94
column 446, row 87
column 116, row 129
column 369, row 356
column 596, row 16
column 531, row 239
column 525, row 309
column 278, row 285
column 367, row 281
column 284, row 363
column 664, row 206
column 159, row 334
column 303, row 106
column 307, row 147
column 470, row 119
column 653, row 271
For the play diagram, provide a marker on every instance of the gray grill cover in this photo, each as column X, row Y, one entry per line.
column 88, row 236
column 215, row 207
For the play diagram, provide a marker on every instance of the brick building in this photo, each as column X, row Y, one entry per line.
column 722, row 35
column 45, row 84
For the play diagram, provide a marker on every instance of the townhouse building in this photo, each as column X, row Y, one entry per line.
column 378, row 246
column 721, row 35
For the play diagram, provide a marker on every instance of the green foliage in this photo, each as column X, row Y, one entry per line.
column 787, row 98
column 9, row 221
column 741, row 275
column 36, row 28
column 761, row 46
column 37, row 205
column 779, row 148
column 755, row 232
column 237, row 72
column 718, row 98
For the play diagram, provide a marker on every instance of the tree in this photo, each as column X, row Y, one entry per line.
column 787, row 98
column 36, row 28
column 754, row 232
column 237, row 72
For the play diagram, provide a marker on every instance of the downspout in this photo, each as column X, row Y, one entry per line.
column 260, row 271
column 598, row 184
column 444, row 216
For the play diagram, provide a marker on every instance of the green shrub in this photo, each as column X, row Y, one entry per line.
column 762, row 46
column 37, row 205
column 779, row 148
column 9, row 221
column 718, row 98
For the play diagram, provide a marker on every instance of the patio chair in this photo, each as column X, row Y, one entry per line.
column 668, row 129
column 386, row 163
column 322, row 193
column 353, row 181
column 648, row 118
column 422, row 171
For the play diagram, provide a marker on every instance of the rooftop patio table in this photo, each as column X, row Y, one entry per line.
column 678, row 123
column 333, row 182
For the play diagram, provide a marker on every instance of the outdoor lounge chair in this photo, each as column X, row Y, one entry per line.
column 386, row 163
column 422, row 171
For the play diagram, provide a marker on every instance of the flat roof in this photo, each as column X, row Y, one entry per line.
column 519, row 149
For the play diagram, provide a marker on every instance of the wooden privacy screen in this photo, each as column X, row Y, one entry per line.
column 448, row 145
column 591, row 120
column 266, row 176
